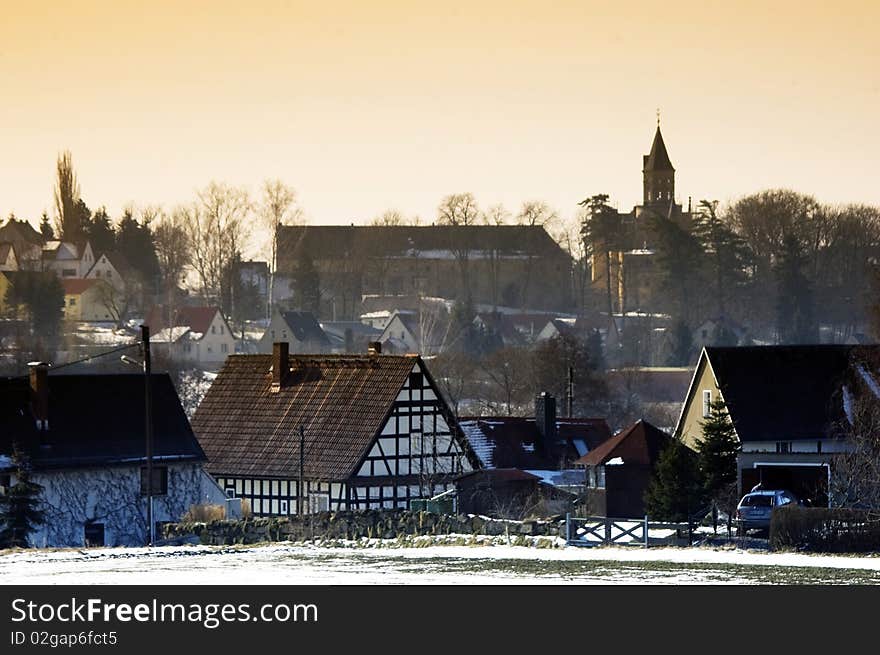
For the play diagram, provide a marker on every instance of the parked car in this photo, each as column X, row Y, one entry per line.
column 755, row 508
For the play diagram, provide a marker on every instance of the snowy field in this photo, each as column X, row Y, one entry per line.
column 434, row 564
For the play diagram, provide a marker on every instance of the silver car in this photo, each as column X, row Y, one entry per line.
column 755, row 508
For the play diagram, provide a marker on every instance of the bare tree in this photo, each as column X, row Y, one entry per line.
column 215, row 226
column 496, row 215
column 536, row 212
column 460, row 209
column 388, row 218
column 66, row 197
column 278, row 206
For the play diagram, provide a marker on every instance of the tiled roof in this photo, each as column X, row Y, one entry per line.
column 76, row 286
column 340, row 400
column 509, row 442
column 640, row 444
column 198, row 319
column 96, row 419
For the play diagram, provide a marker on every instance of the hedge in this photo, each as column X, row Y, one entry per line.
column 825, row 530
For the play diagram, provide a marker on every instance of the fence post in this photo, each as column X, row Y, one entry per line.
column 607, row 530
column 567, row 528
column 646, row 530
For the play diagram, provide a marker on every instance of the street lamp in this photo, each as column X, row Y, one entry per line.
column 148, row 424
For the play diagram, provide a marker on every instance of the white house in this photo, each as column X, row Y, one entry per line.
column 84, row 438
column 197, row 335
column 68, row 259
column 300, row 329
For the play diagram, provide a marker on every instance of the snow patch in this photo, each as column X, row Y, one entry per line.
column 614, row 461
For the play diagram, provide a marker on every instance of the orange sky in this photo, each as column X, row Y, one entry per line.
column 364, row 106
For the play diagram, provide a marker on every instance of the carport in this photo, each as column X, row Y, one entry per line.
column 808, row 481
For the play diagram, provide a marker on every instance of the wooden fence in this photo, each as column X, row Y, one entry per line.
column 605, row 531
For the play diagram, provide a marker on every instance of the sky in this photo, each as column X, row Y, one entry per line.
column 367, row 106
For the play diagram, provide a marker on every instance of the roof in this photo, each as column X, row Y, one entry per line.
column 76, row 286
column 97, row 419
column 304, row 326
column 340, row 400
column 639, row 444
column 509, row 442
column 793, row 392
column 198, row 319
column 501, row 475
column 658, row 158
column 340, row 241
column 18, row 231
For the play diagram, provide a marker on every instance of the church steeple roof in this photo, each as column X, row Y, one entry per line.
column 658, row 159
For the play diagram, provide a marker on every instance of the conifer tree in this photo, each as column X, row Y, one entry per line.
column 19, row 507
column 717, row 450
column 676, row 490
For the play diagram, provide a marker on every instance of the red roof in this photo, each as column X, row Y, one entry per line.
column 198, row 319
column 75, row 286
column 639, row 444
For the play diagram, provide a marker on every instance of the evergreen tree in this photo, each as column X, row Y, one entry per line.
column 46, row 228
column 99, row 231
column 601, row 235
column 679, row 262
column 683, row 343
column 134, row 241
column 717, row 450
column 676, row 490
column 19, row 508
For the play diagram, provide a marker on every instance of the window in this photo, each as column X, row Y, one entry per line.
column 213, row 329
column 68, row 272
column 94, row 534
column 415, row 380
column 707, row 402
column 319, row 503
column 160, row 480
column 224, row 348
column 71, row 302
column 221, row 329
column 187, row 347
column 783, row 446
column 230, row 492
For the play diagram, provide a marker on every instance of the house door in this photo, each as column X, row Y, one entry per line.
column 94, row 534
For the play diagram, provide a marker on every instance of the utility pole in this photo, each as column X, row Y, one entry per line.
column 302, row 489
column 148, row 429
column 570, row 393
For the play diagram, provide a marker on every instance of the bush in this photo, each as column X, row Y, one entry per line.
column 826, row 530
column 204, row 513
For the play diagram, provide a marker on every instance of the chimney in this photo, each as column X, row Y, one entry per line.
column 374, row 348
column 40, row 394
column 545, row 419
column 280, row 364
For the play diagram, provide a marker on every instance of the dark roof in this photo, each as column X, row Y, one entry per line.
column 340, row 241
column 16, row 230
column 639, row 444
column 658, row 159
column 501, row 475
column 305, row 327
column 510, row 442
column 96, row 419
column 791, row 392
column 340, row 400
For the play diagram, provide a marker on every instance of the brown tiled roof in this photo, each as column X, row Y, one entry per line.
column 75, row 286
column 340, row 400
column 198, row 319
column 639, row 444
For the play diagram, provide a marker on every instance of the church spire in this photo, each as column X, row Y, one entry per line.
column 658, row 174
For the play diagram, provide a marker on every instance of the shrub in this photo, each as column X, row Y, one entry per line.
column 829, row 530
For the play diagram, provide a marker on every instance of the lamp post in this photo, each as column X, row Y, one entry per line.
column 302, row 490
column 148, row 425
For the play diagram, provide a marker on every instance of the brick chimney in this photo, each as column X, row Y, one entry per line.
column 545, row 419
column 280, row 364
column 374, row 348
column 39, row 375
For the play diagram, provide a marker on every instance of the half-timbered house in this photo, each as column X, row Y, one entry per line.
column 304, row 433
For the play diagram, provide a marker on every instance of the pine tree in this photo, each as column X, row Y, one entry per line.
column 19, row 507
column 717, row 450
column 676, row 491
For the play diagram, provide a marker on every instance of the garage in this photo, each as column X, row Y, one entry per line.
column 809, row 482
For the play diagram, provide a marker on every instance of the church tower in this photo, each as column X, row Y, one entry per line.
column 658, row 173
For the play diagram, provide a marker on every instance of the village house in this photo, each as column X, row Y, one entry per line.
column 87, row 300
column 349, row 336
column 294, row 434
column 68, row 259
column 789, row 408
column 620, row 469
column 196, row 335
column 85, row 438
column 299, row 329
column 500, row 265
column 26, row 242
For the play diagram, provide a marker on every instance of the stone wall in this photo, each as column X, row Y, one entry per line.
column 372, row 524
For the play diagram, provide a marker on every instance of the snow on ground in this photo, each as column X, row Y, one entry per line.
column 381, row 563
